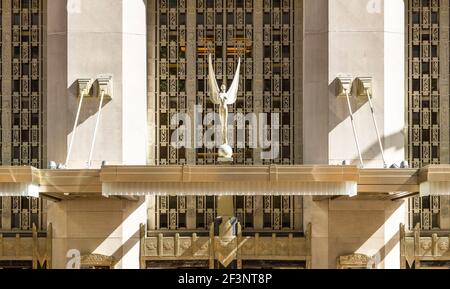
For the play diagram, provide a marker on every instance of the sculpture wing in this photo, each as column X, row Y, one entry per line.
column 233, row 91
column 214, row 90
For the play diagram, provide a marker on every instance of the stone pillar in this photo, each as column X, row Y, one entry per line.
column 225, row 206
column 191, row 221
column 6, row 91
column 315, row 82
column 6, row 214
column 316, row 213
column 151, row 213
column 134, row 90
column 56, row 80
column 87, row 40
column 297, row 20
column 258, row 217
column 364, row 41
column 97, row 226
column 444, row 82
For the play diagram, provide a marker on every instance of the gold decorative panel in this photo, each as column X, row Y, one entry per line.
column 171, row 75
column 261, row 33
column 22, row 96
column 20, row 213
column 425, row 212
column 428, row 101
column 22, row 103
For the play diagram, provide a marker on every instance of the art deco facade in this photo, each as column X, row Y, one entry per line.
column 125, row 197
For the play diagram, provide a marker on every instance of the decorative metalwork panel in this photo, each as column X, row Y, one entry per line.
column 20, row 213
column 428, row 99
column 279, row 72
column 22, row 103
column 206, row 211
column 245, row 207
column 260, row 32
column 171, row 75
column 172, row 213
column 225, row 29
column 22, row 84
column 278, row 213
column 425, row 212
column 423, row 86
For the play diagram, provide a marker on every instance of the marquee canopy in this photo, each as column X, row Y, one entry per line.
column 129, row 181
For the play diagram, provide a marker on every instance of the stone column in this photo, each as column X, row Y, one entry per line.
column 444, row 82
column 6, row 213
column 191, row 222
column 315, row 82
column 258, row 218
column 151, row 213
column 134, row 90
column 297, row 21
column 56, row 121
column 89, row 40
column 316, row 213
column 6, row 91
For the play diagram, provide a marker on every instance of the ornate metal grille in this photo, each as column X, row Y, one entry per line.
column 185, row 213
column 428, row 98
column 225, row 29
column 171, row 71
column 278, row 212
column 424, row 211
column 206, row 211
column 22, row 104
column 172, row 213
column 245, row 207
column 261, row 33
column 22, row 83
column 272, row 213
column 20, row 213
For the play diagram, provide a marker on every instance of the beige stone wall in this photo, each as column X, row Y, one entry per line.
column 344, row 227
column 88, row 39
column 97, row 226
column 355, row 38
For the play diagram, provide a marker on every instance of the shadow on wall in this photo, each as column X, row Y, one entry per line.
column 367, row 227
column 339, row 113
column 390, row 142
column 339, row 108
column 88, row 109
column 108, row 227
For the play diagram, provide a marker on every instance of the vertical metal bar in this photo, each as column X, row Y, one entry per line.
column 354, row 128
column 372, row 109
column 96, row 128
column 74, row 130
